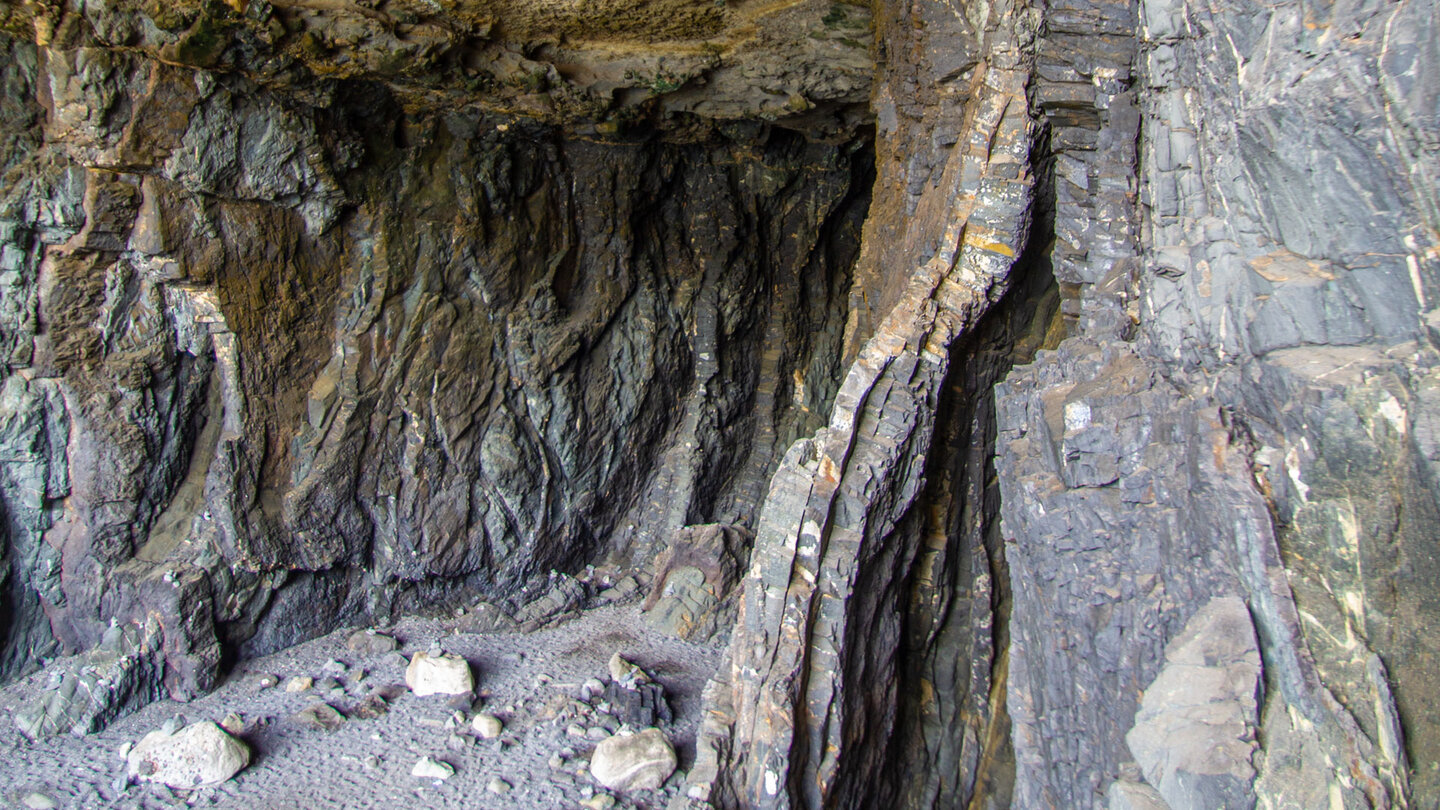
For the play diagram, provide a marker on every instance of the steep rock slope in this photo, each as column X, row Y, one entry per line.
column 1243, row 413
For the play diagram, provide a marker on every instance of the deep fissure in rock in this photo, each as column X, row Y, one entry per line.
column 951, row 746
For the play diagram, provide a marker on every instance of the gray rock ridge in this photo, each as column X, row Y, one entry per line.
column 809, row 694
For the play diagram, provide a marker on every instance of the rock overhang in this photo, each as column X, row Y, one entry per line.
column 600, row 68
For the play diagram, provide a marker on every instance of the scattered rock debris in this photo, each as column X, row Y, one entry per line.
column 352, row 735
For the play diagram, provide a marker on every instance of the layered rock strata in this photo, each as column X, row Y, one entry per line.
column 1227, row 349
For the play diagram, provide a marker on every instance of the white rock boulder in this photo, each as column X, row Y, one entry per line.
column 428, row 768
column 442, row 674
column 633, row 761
column 199, row 755
column 487, row 725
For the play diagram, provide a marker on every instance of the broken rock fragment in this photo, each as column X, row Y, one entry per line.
column 199, row 755
column 321, row 716
column 487, row 725
column 1194, row 736
column 623, row 671
column 442, row 674
column 84, row 694
column 369, row 642
column 428, row 768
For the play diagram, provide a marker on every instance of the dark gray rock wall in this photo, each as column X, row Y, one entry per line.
column 285, row 358
column 1241, row 224
column 1240, row 412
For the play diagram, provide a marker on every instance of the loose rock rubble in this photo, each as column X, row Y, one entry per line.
column 528, row 735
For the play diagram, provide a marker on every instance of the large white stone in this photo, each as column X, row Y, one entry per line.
column 428, row 768
column 439, row 675
column 199, row 755
column 633, row 761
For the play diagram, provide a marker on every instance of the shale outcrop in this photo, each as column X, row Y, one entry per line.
column 1041, row 397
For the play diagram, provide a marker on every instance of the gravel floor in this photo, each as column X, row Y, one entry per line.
column 527, row 679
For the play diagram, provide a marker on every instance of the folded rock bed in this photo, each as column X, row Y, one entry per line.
column 530, row 680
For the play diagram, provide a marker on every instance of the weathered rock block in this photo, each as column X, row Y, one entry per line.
column 1194, row 736
column 83, row 694
column 199, row 755
column 694, row 582
column 633, row 761
column 442, row 674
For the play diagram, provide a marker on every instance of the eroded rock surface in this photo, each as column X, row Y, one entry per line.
column 289, row 346
column 1194, row 736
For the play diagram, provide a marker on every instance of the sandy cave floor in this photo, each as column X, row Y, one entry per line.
column 365, row 763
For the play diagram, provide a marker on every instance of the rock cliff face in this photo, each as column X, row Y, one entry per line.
column 282, row 357
column 1069, row 368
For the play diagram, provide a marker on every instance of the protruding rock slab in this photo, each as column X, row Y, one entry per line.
column 695, row 579
column 439, row 675
column 370, row 642
column 640, row 761
column 199, row 755
column 1194, row 735
column 118, row 676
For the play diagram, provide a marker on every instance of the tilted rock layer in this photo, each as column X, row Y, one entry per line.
column 1065, row 372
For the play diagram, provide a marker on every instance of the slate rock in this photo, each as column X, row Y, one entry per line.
column 1194, row 736
column 370, row 642
column 640, row 705
column 694, row 579
column 119, row 676
column 321, row 716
